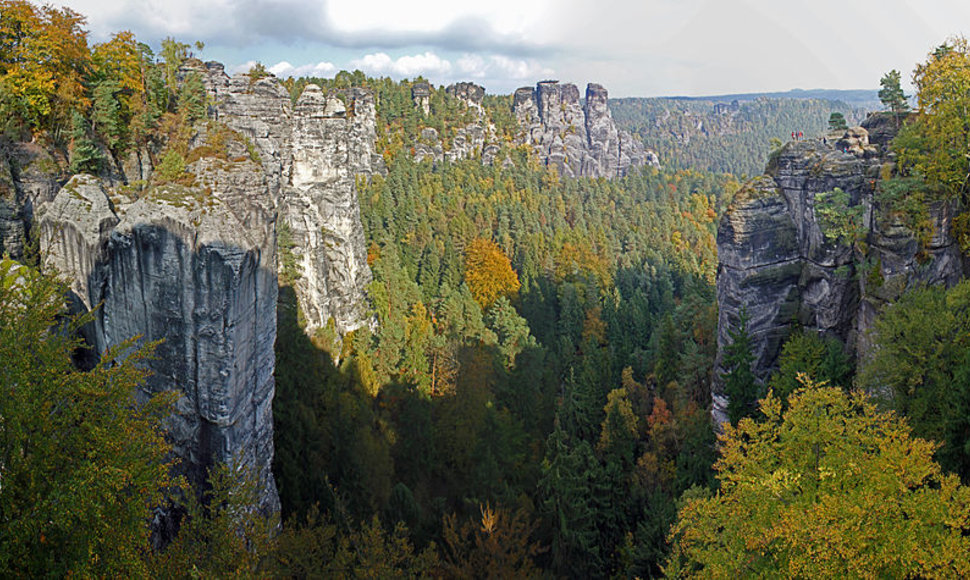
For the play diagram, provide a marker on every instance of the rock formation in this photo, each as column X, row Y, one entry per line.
column 776, row 264
column 469, row 93
column 421, row 95
column 195, row 267
column 28, row 179
column 312, row 153
column 193, row 262
column 579, row 140
column 474, row 140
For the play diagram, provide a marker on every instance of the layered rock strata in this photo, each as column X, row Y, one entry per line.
column 777, row 266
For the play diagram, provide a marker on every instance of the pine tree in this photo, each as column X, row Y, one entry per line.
column 891, row 94
column 837, row 122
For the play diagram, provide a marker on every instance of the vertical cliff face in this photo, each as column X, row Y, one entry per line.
column 332, row 144
column 312, row 154
column 194, row 263
column 579, row 140
column 193, row 267
column 776, row 264
column 28, row 179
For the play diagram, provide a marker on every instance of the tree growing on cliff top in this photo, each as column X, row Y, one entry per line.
column 837, row 122
column 832, row 487
column 891, row 94
column 937, row 146
column 82, row 461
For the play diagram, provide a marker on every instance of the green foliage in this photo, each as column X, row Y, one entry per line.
column 221, row 532
column 921, row 346
column 839, row 220
column 499, row 545
column 905, row 200
column 837, row 122
column 822, row 360
column 172, row 167
column 43, row 58
column 936, row 146
column 832, row 487
column 86, row 157
column 689, row 133
column 256, row 72
column 891, row 94
column 740, row 386
column 445, row 405
column 82, row 453
column 191, row 98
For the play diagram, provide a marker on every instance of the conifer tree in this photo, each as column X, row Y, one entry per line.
column 891, row 94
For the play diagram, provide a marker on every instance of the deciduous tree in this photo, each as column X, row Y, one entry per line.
column 82, row 454
column 832, row 487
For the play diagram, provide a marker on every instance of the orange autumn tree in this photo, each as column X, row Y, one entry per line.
column 43, row 59
column 488, row 272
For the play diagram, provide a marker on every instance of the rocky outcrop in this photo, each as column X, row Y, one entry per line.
column 421, row 95
column 473, row 140
column 321, row 210
column 193, row 263
column 194, row 267
column 469, row 93
column 777, row 265
column 29, row 178
column 580, row 140
column 312, row 153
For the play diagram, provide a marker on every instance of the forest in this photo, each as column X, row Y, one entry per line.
column 725, row 136
column 533, row 398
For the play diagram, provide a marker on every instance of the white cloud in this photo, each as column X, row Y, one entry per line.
column 380, row 63
column 321, row 69
column 242, row 68
column 498, row 66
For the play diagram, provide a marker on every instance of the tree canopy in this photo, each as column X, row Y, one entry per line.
column 82, row 455
column 831, row 487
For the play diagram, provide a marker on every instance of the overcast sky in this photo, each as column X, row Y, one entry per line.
column 633, row 47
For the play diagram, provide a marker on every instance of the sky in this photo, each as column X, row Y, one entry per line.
column 632, row 47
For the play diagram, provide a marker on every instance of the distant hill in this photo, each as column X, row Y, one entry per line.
column 865, row 99
column 732, row 133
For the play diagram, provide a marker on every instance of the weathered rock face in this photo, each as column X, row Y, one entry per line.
column 474, row 140
column 579, row 140
column 312, row 153
column 469, row 93
column 776, row 265
column 194, row 267
column 29, row 177
column 321, row 210
column 421, row 95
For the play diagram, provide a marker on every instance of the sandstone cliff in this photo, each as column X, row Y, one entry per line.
column 580, row 140
column 193, row 261
column 776, row 263
column 312, row 153
column 473, row 140
column 194, row 266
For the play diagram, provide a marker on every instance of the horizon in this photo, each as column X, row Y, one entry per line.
column 657, row 48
